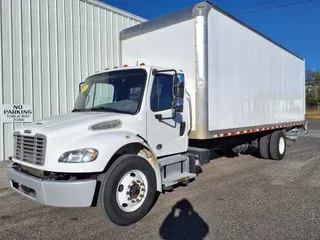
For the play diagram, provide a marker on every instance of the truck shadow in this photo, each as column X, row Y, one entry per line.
column 183, row 223
column 230, row 154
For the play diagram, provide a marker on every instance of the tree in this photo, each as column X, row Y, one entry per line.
column 316, row 77
column 309, row 77
column 313, row 88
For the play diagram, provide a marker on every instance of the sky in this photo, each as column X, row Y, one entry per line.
column 296, row 27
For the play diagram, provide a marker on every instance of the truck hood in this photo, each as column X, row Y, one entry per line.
column 76, row 122
column 72, row 131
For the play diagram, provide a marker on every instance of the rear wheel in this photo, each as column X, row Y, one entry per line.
column 128, row 190
column 277, row 145
column 264, row 146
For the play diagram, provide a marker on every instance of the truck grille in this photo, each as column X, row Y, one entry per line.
column 30, row 149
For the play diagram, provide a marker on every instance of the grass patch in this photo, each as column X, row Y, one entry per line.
column 313, row 114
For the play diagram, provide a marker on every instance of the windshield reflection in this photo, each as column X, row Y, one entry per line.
column 118, row 91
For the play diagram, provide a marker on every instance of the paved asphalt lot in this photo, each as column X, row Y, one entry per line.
column 234, row 198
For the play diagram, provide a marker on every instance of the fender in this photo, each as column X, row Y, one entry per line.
column 107, row 143
column 146, row 153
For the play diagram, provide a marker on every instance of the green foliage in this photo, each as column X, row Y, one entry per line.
column 313, row 88
column 309, row 77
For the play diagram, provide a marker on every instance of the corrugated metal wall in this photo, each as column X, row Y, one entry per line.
column 48, row 47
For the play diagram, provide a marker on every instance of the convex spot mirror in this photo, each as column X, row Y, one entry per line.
column 81, row 85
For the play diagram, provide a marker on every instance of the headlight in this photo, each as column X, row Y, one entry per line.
column 79, row 156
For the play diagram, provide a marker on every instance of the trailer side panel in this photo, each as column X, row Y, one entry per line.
column 251, row 81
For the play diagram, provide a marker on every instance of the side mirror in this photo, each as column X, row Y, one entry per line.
column 178, row 92
column 80, row 86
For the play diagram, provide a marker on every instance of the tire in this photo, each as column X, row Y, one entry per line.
column 264, row 146
column 277, row 145
column 128, row 190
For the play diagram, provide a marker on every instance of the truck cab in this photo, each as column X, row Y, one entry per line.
column 124, row 142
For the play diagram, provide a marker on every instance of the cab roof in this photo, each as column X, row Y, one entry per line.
column 148, row 68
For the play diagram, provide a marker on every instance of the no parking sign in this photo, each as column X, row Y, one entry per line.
column 15, row 113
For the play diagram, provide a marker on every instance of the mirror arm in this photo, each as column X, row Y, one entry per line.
column 155, row 71
column 160, row 118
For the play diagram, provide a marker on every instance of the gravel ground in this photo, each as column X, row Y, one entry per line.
column 234, row 198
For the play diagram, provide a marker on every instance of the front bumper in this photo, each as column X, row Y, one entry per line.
column 57, row 193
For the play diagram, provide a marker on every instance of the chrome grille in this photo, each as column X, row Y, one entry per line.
column 30, row 149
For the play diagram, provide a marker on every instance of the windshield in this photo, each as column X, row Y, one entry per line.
column 118, row 91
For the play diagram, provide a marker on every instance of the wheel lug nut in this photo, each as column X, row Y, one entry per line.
column 138, row 181
column 142, row 189
column 141, row 196
column 132, row 201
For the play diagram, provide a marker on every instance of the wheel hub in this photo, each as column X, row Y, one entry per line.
column 132, row 190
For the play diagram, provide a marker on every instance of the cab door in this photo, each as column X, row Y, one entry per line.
column 168, row 135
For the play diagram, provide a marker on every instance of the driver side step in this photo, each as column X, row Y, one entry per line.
column 176, row 169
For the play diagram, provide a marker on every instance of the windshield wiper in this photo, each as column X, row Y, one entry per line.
column 77, row 110
column 96, row 109
column 106, row 110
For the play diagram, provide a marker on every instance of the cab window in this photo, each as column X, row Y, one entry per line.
column 162, row 93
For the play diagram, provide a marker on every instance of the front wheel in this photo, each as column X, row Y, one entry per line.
column 128, row 190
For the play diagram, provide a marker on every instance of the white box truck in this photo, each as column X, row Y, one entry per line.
column 189, row 82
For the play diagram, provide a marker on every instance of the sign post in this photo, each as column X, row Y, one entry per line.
column 16, row 113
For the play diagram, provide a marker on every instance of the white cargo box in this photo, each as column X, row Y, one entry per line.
column 237, row 78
